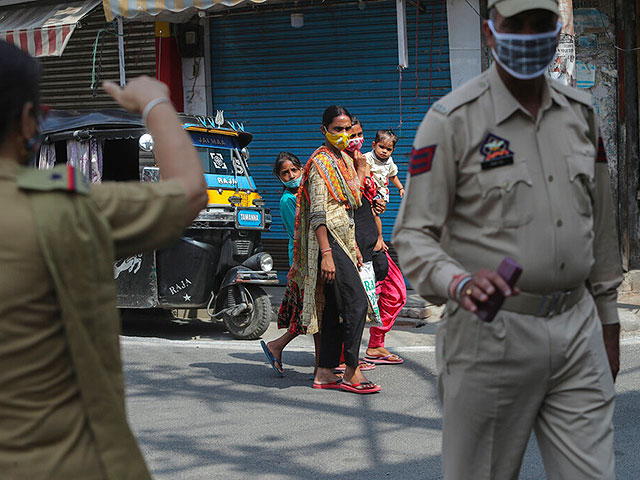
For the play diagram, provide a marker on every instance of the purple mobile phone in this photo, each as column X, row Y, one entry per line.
column 510, row 271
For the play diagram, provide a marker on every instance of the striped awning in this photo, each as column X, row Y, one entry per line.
column 167, row 10
column 43, row 30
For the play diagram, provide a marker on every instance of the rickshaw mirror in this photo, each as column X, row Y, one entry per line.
column 146, row 142
column 150, row 174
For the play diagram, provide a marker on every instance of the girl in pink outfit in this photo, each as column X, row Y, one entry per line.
column 391, row 288
column 392, row 297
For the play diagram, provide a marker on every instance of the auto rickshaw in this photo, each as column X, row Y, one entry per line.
column 218, row 264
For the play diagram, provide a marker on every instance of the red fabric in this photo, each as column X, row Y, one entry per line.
column 71, row 179
column 290, row 313
column 169, row 69
column 369, row 189
column 392, row 298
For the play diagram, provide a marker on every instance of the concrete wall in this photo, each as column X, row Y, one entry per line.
column 194, row 86
column 594, row 26
column 464, row 40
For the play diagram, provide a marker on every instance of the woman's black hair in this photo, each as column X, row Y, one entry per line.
column 283, row 157
column 332, row 112
column 386, row 135
column 19, row 84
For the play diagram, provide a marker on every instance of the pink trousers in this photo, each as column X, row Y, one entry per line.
column 392, row 296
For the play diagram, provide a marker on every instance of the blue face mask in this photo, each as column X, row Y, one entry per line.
column 293, row 184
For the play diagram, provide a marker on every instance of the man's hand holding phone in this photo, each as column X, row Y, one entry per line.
column 486, row 290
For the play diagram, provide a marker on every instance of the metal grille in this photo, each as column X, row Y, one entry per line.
column 66, row 80
column 241, row 247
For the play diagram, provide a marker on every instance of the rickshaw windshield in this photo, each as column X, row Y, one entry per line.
column 218, row 161
column 221, row 161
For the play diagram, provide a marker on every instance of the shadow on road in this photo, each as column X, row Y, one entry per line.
column 328, row 425
column 162, row 323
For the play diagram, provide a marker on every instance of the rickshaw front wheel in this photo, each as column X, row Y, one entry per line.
column 250, row 325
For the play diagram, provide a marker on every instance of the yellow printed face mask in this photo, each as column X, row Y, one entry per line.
column 338, row 140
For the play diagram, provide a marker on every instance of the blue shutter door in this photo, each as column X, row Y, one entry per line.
column 278, row 80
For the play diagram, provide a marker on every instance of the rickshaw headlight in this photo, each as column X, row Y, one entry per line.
column 245, row 154
column 266, row 262
column 146, row 142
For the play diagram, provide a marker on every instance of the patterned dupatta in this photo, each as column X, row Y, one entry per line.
column 343, row 185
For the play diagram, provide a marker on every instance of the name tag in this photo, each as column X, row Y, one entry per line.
column 498, row 162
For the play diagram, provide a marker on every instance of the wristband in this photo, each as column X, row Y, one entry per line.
column 150, row 106
column 454, row 284
column 325, row 250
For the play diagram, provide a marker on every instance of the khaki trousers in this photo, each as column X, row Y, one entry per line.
column 499, row 381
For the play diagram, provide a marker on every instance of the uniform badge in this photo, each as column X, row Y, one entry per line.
column 421, row 160
column 496, row 152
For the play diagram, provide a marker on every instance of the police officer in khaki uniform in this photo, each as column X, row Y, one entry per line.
column 62, row 410
column 511, row 164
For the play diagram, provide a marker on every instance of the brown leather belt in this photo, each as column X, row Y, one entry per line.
column 547, row 305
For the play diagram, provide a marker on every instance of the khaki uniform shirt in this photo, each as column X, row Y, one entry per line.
column 44, row 428
column 488, row 181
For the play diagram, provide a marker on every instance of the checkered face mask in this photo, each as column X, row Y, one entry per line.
column 525, row 56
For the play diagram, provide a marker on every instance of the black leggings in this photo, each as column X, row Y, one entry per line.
column 344, row 298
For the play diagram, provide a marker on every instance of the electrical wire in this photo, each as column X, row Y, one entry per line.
column 95, row 49
column 400, row 94
column 416, row 48
column 611, row 40
column 473, row 8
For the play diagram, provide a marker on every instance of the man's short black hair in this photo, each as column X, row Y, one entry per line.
column 19, row 84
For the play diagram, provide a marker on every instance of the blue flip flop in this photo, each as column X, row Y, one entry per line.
column 272, row 360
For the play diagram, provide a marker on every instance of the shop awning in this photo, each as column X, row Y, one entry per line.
column 43, row 30
column 168, row 10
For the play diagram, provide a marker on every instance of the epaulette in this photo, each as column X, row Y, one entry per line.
column 62, row 177
column 465, row 93
column 581, row 96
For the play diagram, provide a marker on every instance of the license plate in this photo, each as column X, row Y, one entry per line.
column 250, row 218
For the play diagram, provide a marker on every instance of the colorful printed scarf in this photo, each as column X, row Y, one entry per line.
column 343, row 185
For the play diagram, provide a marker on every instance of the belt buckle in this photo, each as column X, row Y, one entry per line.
column 553, row 304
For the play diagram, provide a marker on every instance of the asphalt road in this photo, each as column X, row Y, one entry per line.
column 205, row 406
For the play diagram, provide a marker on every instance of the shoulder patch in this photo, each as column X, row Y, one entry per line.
column 572, row 93
column 60, row 178
column 463, row 94
column 421, row 160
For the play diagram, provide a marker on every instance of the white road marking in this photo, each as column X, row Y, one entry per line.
column 255, row 345
column 235, row 345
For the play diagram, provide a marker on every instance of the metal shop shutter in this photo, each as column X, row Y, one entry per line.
column 66, row 80
column 278, row 80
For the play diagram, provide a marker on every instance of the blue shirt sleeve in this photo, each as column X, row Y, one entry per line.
column 288, row 212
